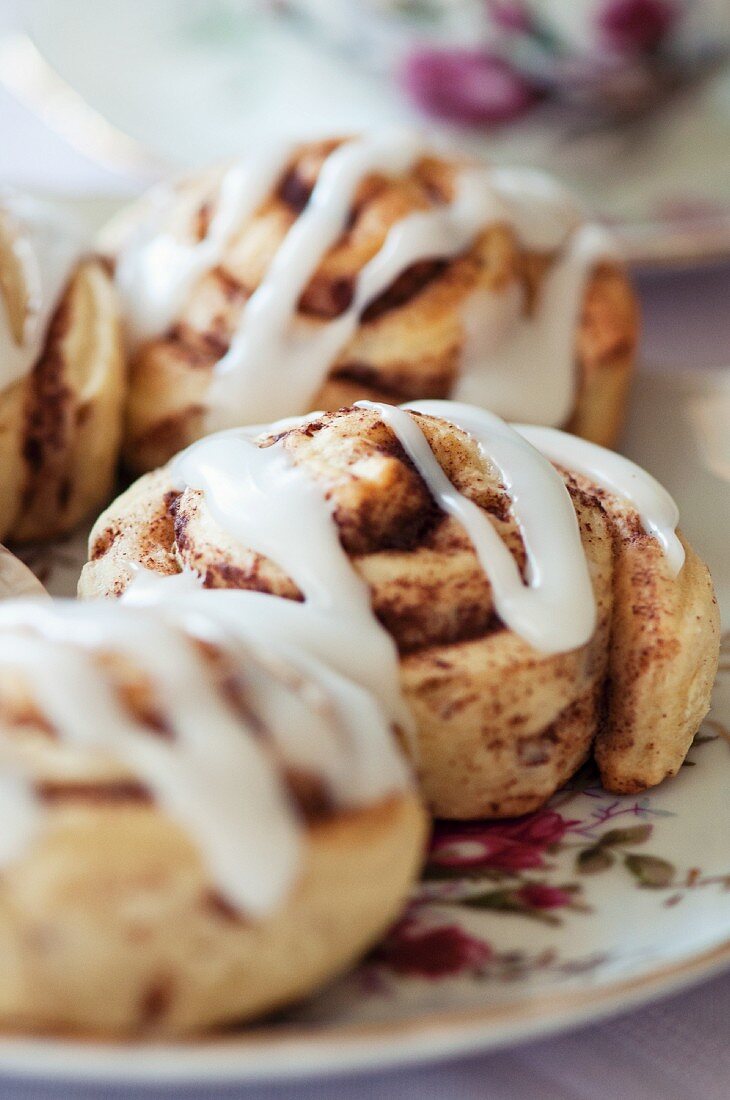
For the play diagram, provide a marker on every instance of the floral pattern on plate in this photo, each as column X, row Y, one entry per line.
column 517, row 868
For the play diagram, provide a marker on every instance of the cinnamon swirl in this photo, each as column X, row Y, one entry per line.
column 193, row 832
column 61, row 374
column 367, row 268
column 510, row 615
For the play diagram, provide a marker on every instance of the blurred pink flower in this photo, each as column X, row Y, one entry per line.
column 537, row 895
column 512, row 845
column 510, row 15
column 467, row 86
column 636, row 26
column 423, row 952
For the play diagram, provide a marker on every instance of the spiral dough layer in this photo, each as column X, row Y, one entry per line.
column 367, row 269
column 499, row 725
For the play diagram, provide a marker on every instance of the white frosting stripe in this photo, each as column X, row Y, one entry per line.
column 22, row 815
column 556, row 610
column 243, row 389
column 157, row 271
column 262, row 500
column 46, row 248
column 266, row 503
column 277, row 360
column 505, row 366
column 211, row 773
column 213, row 777
column 367, row 765
column 657, row 510
column 330, row 713
column 521, row 365
column 256, row 495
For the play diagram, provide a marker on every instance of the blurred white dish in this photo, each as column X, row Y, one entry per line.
column 212, row 78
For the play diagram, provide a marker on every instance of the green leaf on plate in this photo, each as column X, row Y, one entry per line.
column 615, row 838
column 651, row 871
column 591, row 861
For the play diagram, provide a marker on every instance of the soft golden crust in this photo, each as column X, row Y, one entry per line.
column 409, row 342
column 605, row 352
column 60, row 428
column 110, row 926
column 664, row 654
column 110, row 923
column 499, row 726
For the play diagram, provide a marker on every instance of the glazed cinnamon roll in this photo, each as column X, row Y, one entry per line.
column 193, row 833
column 61, row 374
column 367, row 268
column 511, row 615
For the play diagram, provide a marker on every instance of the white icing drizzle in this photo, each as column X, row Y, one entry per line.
column 22, row 816
column 156, row 271
column 371, row 766
column 277, row 360
column 198, row 779
column 519, row 365
column 271, row 506
column 215, row 776
column 618, row 475
column 525, row 365
column 325, row 684
column 556, row 610
column 46, row 249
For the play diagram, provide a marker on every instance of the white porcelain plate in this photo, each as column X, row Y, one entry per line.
column 518, row 928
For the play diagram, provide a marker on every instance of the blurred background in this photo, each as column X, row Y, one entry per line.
column 627, row 100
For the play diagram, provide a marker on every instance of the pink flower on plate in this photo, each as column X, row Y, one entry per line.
column 420, row 951
column 636, row 26
column 518, row 844
column 510, row 15
column 467, row 86
column 538, row 895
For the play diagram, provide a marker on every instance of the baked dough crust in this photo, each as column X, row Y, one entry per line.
column 61, row 426
column 110, row 923
column 409, row 342
column 110, row 927
column 499, row 726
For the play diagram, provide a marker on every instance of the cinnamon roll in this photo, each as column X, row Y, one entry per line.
column 512, row 612
column 194, row 833
column 366, row 268
column 61, row 374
